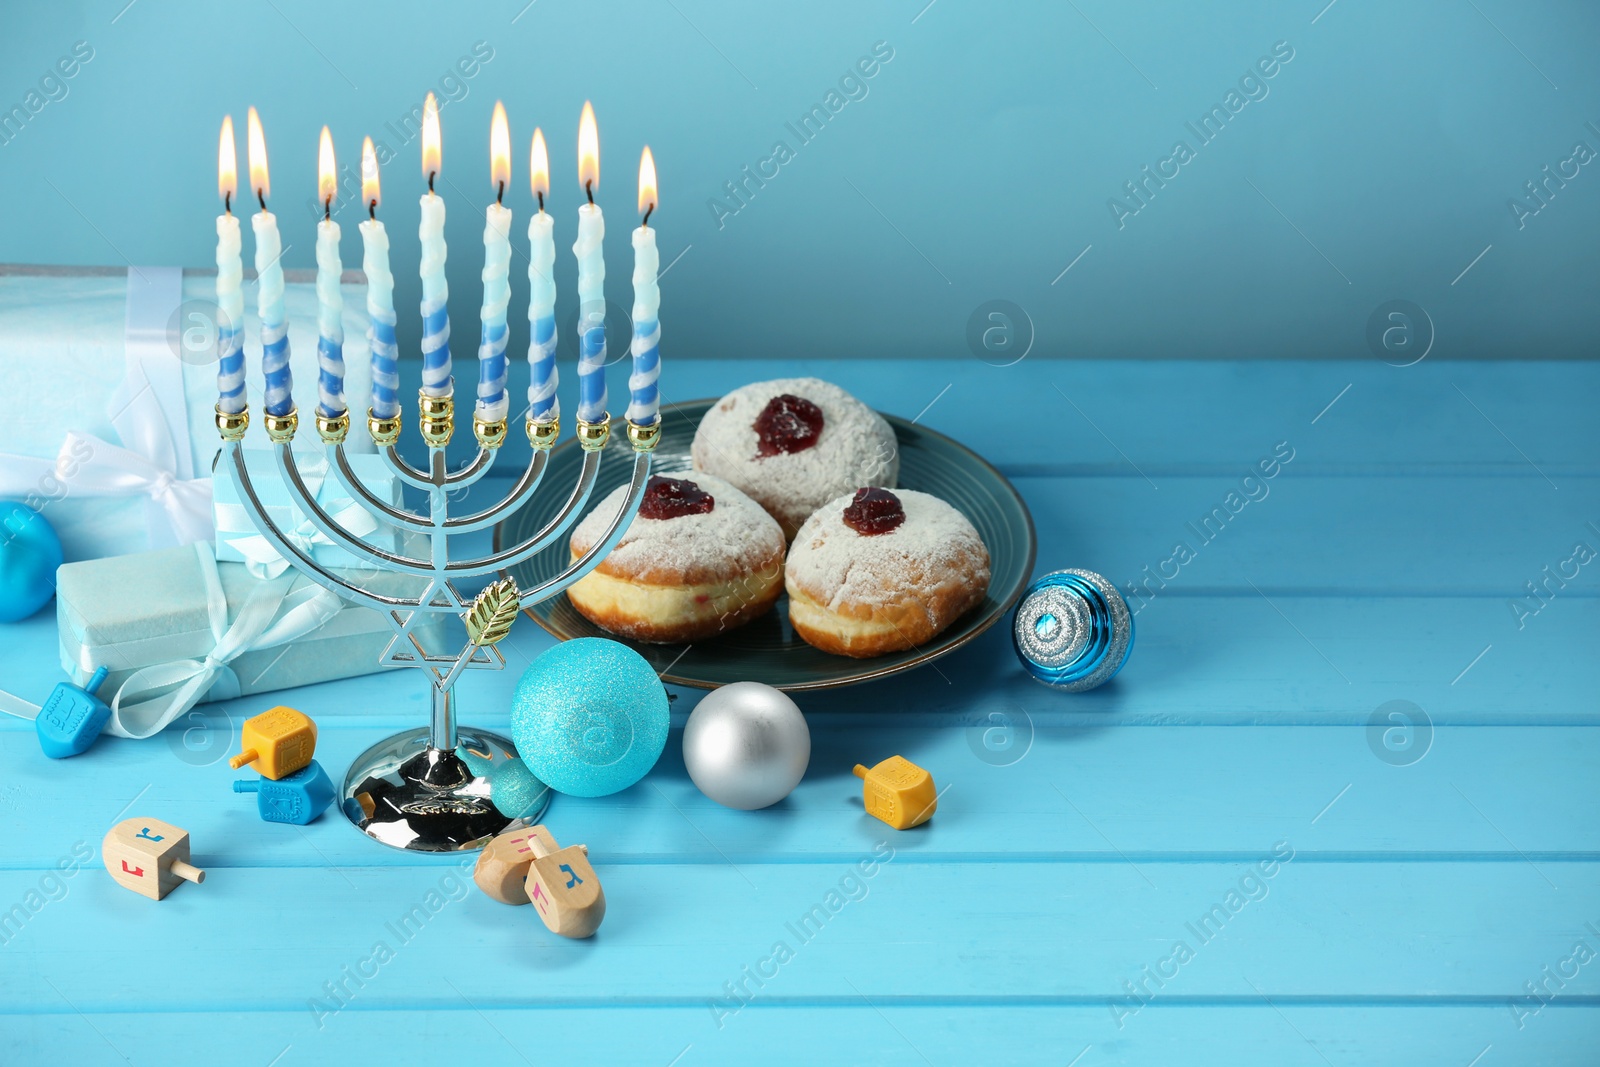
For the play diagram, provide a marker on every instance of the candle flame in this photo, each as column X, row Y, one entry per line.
column 256, row 152
column 588, row 149
column 327, row 171
column 647, row 182
column 539, row 167
column 430, row 139
column 369, row 174
column 499, row 150
column 227, row 162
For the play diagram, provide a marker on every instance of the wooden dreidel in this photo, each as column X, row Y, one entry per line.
column 149, row 857
column 279, row 742
column 898, row 792
column 565, row 891
column 503, row 866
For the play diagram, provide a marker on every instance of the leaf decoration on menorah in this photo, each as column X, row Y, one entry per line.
column 493, row 613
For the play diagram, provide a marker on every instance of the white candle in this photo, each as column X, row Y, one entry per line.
column 435, row 291
column 591, row 277
column 330, row 300
column 543, row 405
column 644, row 403
column 380, row 295
column 269, row 282
column 230, row 275
column 492, row 400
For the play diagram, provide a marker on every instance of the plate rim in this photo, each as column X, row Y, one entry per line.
column 923, row 658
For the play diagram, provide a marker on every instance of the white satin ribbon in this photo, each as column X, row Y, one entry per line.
column 275, row 613
column 262, row 559
column 148, row 412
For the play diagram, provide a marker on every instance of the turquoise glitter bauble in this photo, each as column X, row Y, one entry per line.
column 30, row 552
column 590, row 717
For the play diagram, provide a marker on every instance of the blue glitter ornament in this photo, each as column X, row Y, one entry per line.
column 1073, row 630
column 590, row 717
column 30, row 552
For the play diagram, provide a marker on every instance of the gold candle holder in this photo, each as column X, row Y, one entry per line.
column 542, row 435
column 281, row 428
column 232, row 424
column 592, row 436
column 645, row 438
column 333, row 428
column 438, row 420
column 385, row 432
column 490, row 435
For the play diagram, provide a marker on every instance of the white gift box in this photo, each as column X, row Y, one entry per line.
column 123, row 361
column 239, row 541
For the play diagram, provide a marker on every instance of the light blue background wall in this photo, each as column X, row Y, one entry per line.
column 978, row 166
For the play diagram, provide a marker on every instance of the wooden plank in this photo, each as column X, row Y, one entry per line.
column 886, row 1033
column 1015, row 789
column 681, row 934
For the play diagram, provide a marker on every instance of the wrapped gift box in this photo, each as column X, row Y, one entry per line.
column 125, row 360
column 238, row 540
column 174, row 618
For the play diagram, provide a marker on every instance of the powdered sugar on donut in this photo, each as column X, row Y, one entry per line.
column 735, row 537
column 841, row 569
column 856, row 447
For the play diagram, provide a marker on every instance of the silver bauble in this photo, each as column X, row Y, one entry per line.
column 746, row 745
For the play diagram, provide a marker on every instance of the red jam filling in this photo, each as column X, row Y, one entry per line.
column 874, row 511
column 787, row 424
column 670, row 498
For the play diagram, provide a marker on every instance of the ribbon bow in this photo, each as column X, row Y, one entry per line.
column 262, row 559
column 276, row 612
column 104, row 469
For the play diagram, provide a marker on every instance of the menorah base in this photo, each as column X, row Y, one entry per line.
column 407, row 794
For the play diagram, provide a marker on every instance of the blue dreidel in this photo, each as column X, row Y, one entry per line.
column 70, row 720
column 297, row 798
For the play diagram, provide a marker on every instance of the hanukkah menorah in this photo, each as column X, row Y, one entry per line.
column 442, row 787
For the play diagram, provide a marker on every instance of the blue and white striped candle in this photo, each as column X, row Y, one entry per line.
column 269, row 282
column 380, row 295
column 330, row 301
column 591, row 277
column 644, row 401
column 230, row 276
column 435, row 291
column 543, row 404
column 492, row 400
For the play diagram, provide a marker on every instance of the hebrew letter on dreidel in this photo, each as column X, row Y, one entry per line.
column 577, row 903
column 149, row 857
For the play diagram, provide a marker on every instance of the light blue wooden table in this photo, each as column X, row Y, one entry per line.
column 1216, row 859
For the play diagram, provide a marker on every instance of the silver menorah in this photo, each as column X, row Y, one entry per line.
column 433, row 789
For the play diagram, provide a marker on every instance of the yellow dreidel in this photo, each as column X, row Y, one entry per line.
column 279, row 742
column 149, row 857
column 565, row 891
column 898, row 792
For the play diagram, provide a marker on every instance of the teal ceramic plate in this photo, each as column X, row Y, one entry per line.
column 767, row 650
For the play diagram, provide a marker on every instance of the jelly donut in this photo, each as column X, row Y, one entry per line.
column 793, row 444
column 699, row 558
column 878, row 571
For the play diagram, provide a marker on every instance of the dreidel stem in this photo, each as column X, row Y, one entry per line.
column 95, row 679
column 188, row 872
column 247, row 785
column 860, row 771
column 242, row 758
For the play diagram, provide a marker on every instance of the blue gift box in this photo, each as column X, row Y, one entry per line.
column 238, row 540
column 120, row 461
column 174, row 627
